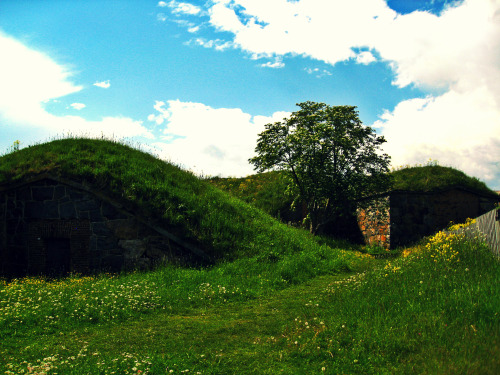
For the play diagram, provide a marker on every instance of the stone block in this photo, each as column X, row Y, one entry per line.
column 34, row 210
column 125, row 229
column 113, row 263
column 95, row 215
column 24, row 194
column 42, row 193
column 87, row 205
column 157, row 247
column 50, row 210
column 101, row 229
column 75, row 195
column 105, row 243
column 140, row 264
column 83, row 215
column 67, row 210
column 93, row 244
column 132, row 249
column 59, row 191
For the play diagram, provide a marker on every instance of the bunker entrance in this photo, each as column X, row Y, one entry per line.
column 58, row 257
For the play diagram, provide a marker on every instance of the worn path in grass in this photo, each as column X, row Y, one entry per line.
column 239, row 332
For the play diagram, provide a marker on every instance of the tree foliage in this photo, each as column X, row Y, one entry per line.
column 331, row 158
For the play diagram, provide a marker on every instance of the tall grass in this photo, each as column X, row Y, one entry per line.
column 36, row 305
column 435, row 309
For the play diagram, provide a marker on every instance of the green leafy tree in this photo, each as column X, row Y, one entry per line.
column 331, row 158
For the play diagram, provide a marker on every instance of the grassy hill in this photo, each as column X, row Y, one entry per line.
column 225, row 227
column 268, row 190
column 277, row 301
column 435, row 177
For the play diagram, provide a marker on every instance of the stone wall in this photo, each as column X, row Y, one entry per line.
column 401, row 218
column 415, row 215
column 100, row 234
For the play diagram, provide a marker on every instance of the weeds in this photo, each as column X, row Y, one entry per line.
column 423, row 312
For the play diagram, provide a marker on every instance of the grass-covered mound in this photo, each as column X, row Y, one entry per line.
column 268, row 190
column 225, row 227
column 435, row 177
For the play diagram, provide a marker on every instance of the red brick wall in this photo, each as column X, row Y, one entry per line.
column 373, row 222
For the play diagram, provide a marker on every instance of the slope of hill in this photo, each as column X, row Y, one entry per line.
column 267, row 191
column 227, row 228
column 435, row 177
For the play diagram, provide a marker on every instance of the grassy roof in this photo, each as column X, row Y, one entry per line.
column 224, row 226
column 435, row 177
column 268, row 190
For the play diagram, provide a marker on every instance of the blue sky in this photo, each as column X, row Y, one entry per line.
column 195, row 81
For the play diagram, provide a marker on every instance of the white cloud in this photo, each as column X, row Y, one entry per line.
column 218, row 44
column 103, row 84
column 182, row 8
column 162, row 4
column 277, row 64
column 78, row 106
column 30, row 79
column 365, row 58
column 456, row 53
column 29, row 76
column 161, row 17
column 457, row 129
column 318, row 72
column 323, row 30
column 214, row 141
column 161, row 116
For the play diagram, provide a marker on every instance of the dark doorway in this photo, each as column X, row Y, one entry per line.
column 58, row 257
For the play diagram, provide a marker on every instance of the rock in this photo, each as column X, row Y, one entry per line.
column 133, row 249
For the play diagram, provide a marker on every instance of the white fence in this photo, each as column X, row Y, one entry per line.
column 489, row 225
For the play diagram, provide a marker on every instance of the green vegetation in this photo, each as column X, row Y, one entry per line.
column 435, row 309
column 225, row 227
column 268, row 190
column 434, row 177
column 278, row 300
column 329, row 158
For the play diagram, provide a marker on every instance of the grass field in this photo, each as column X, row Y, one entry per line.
column 433, row 310
column 276, row 300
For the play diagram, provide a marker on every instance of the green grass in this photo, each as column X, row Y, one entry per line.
column 268, row 191
column 225, row 227
column 277, row 300
column 435, row 177
column 435, row 309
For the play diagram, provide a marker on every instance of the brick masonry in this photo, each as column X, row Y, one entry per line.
column 102, row 236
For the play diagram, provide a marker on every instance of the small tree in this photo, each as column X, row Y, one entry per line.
column 332, row 160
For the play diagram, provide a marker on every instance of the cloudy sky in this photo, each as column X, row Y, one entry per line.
column 195, row 81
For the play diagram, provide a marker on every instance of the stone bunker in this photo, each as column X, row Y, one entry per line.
column 54, row 227
column 400, row 218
